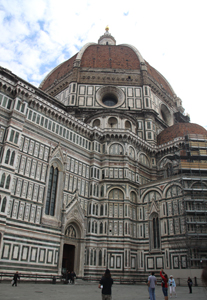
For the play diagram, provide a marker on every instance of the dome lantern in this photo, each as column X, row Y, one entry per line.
column 107, row 38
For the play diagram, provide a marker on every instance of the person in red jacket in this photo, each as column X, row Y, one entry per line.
column 164, row 283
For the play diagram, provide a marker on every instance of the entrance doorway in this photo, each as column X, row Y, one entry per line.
column 68, row 258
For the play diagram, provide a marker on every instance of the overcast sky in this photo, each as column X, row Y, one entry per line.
column 37, row 35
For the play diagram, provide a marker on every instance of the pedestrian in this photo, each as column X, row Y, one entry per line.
column 164, row 284
column 190, row 283
column 73, row 275
column 14, row 281
column 105, row 284
column 152, row 281
column 172, row 286
column 67, row 277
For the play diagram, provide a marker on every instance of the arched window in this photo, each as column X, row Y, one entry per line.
column 154, row 232
column 95, row 227
column 125, row 228
column 112, row 121
column 116, row 149
column 12, row 158
column 100, row 258
column 3, row 205
column 87, row 256
column 143, row 159
column 7, row 156
column 94, row 209
column 102, row 191
column 105, row 209
column 92, row 227
column 91, row 188
column 116, row 194
column 94, row 190
column 91, row 258
column 89, row 226
column 101, row 210
column 8, row 182
column 96, row 123
column 101, row 228
column 2, row 180
column 128, row 125
column 131, row 152
column 51, row 192
column 22, row 108
column 133, row 197
column 94, row 258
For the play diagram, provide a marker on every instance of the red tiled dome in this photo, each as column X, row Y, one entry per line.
column 98, row 56
column 106, row 57
column 59, row 72
column 179, row 130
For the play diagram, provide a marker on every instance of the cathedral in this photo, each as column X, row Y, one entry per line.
column 100, row 168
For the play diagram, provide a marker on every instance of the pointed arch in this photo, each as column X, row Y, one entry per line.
column 116, row 194
column 3, row 207
column 2, row 180
column 100, row 258
column 101, row 228
column 154, row 231
column 51, row 192
column 7, row 156
column 12, row 158
column 8, row 182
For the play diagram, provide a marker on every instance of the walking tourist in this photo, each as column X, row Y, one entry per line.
column 190, row 283
column 164, row 284
column 16, row 276
column 73, row 276
column 152, row 281
column 172, row 286
column 105, row 284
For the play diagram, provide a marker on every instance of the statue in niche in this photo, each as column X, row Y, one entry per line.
column 70, row 232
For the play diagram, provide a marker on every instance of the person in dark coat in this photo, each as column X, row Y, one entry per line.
column 105, row 284
column 68, row 277
column 16, row 275
column 190, row 283
column 73, row 275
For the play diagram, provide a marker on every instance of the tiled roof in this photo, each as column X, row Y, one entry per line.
column 179, row 130
column 105, row 57
column 59, row 72
column 108, row 56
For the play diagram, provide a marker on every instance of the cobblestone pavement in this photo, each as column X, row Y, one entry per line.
column 89, row 291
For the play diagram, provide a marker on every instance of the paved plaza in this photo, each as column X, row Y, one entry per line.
column 89, row 291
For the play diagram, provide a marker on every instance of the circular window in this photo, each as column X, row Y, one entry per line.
column 96, row 123
column 128, row 125
column 109, row 100
column 110, row 96
column 112, row 122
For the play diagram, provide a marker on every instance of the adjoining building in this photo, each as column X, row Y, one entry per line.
column 99, row 168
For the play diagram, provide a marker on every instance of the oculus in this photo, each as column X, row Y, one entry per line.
column 110, row 96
